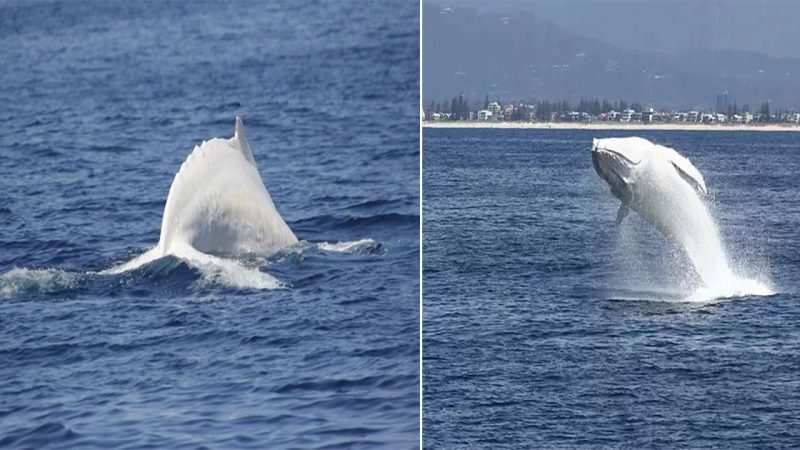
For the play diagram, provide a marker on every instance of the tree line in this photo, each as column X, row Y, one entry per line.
column 459, row 108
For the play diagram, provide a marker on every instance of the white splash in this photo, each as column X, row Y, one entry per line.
column 21, row 280
column 348, row 246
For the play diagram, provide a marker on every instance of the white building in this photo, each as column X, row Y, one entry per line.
column 627, row 115
column 485, row 114
column 494, row 108
column 708, row 118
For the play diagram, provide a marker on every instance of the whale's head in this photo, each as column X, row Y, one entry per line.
column 621, row 161
column 616, row 160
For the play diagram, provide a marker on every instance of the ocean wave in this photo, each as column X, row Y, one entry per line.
column 350, row 222
column 214, row 270
column 184, row 269
column 362, row 246
column 20, row 280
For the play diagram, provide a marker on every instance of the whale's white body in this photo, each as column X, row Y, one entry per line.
column 218, row 204
column 667, row 191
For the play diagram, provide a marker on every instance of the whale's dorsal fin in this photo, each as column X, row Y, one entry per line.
column 689, row 173
column 239, row 141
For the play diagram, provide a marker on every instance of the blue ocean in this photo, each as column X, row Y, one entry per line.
column 546, row 325
column 101, row 103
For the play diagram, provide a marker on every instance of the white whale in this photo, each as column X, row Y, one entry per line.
column 218, row 206
column 668, row 191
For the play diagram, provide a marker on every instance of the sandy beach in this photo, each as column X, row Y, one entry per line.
column 611, row 126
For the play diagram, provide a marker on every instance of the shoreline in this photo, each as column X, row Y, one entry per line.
column 610, row 126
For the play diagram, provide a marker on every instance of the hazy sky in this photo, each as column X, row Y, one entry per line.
column 769, row 27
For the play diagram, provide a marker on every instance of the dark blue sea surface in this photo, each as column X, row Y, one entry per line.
column 101, row 102
column 545, row 325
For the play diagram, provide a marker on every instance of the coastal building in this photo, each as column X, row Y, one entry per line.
column 680, row 117
column 647, row 116
column 693, row 116
column 747, row 117
column 484, row 114
column 627, row 115
column 509, row 111
column 494, row 108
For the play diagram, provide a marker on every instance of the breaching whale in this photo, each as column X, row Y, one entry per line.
column 668, row 191
column 218, row 206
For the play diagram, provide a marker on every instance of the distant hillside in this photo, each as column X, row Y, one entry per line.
column 519, row 56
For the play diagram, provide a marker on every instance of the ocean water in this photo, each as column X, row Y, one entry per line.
column 102, row 101
column 545, row 325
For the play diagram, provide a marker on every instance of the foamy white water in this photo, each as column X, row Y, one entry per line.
column 348, row 246
column 19, row 280
column 698, row 235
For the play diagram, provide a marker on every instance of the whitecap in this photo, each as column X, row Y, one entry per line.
column 21, row 280
column 360, row 246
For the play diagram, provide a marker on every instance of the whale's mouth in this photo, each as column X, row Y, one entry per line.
column 609, row 166
column 619, row 148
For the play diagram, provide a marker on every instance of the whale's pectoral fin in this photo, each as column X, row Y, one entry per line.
column 690, row 174
column 622, row 212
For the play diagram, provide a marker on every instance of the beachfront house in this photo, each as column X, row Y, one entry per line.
column 484, row 114
column 494, row 108
column 627, row 115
